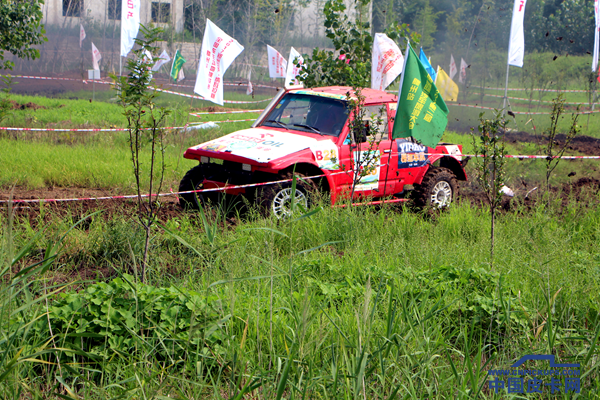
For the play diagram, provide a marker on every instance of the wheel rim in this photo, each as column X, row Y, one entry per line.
column 282, row 203
column 441, row 195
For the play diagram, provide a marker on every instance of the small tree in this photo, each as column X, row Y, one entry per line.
column 490, row 150
column 144, row 120
column 353, row 41
column 555, row 150
column 364, row 128
column 5, row 103
column 20, row 29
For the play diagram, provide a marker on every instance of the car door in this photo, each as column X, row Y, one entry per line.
column 370, row 158
column 410, row 157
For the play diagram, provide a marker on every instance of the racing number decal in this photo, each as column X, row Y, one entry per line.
column 326, row 155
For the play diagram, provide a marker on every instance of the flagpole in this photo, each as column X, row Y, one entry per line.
column 392, row 140
column 505, row 89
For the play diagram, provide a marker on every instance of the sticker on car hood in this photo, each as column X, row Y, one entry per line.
column 258, row 144
column 326, row 155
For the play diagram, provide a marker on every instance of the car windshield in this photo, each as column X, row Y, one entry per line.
column 308, row 113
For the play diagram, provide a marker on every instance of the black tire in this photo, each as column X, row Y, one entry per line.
column 438, row 189
column 276, row 199
column 194, row 180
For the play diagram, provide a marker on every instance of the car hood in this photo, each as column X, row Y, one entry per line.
column 258, row 144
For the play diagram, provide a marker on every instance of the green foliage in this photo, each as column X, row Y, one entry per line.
column 490, row 149
column 144, row 120
column 474, row 298
column 554, row 150
column 365, row 127
column 5, row 103
column 20, row 29
column 314, row 308
column 565, row 27
column 490, row 165
column 353, row 41
column 112, row 319
column 425, row 24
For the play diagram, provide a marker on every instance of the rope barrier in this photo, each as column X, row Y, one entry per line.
column 514, row 112
column 225, row 112
column 193, row 96
column 86, row 81
column 533, row 100
column 125, row 197
column 537, row 90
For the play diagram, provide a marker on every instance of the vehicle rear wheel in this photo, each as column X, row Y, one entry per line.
column 276, row 199
column 438, row 189
column 194, row 180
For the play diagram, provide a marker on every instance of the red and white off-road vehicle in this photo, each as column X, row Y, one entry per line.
column 307, row 132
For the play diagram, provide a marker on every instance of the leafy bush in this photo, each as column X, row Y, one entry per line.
column 124, row 319
column 472, row 295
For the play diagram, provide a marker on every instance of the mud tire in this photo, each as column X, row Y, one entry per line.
column 438, row 189
column 275, row 199
column 193, row 180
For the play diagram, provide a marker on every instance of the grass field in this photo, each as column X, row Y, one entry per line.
column 346, row 303
column 339, row 303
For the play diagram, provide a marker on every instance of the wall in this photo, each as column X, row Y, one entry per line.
column 97, row 11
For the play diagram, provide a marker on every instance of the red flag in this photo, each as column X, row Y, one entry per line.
column 81, row 34
column 96, row 56
column 453, row 70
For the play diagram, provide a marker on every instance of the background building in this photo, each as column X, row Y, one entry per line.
column 72, row 12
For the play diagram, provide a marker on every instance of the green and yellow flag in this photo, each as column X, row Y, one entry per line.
column 178, row 62
column 421, row 112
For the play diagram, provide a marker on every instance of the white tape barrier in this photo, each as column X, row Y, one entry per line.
column 133, row 196
column 193, row 96
column 532, row 100
column 157, row 89
column 515, row 112
column 535, row 90
column 195, row 114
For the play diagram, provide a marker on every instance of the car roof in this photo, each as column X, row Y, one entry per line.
column 371, row 95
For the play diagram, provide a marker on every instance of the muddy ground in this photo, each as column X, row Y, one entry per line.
column 580, row 190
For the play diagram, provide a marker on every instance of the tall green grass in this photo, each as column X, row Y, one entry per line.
column 93, row 160
column 341, row 303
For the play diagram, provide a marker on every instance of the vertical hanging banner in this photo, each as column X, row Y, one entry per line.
column 386, row 63
column 180, row 76
column 218, row 52
column 292, row 68
column 447, row 87
column 81, row 35
column 177, row 65
column 516, row 44
column 96, row 57
column 596, row 35
column 130, row 24
column 277, row 63
column 421, row 112
column 453, row 70
column 462, row 78
column 427, row 64
column 162, row 60
column 249, row 89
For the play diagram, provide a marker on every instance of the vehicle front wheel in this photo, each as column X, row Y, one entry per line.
column 194, row 180
column 276, row 199
column 438, row 189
